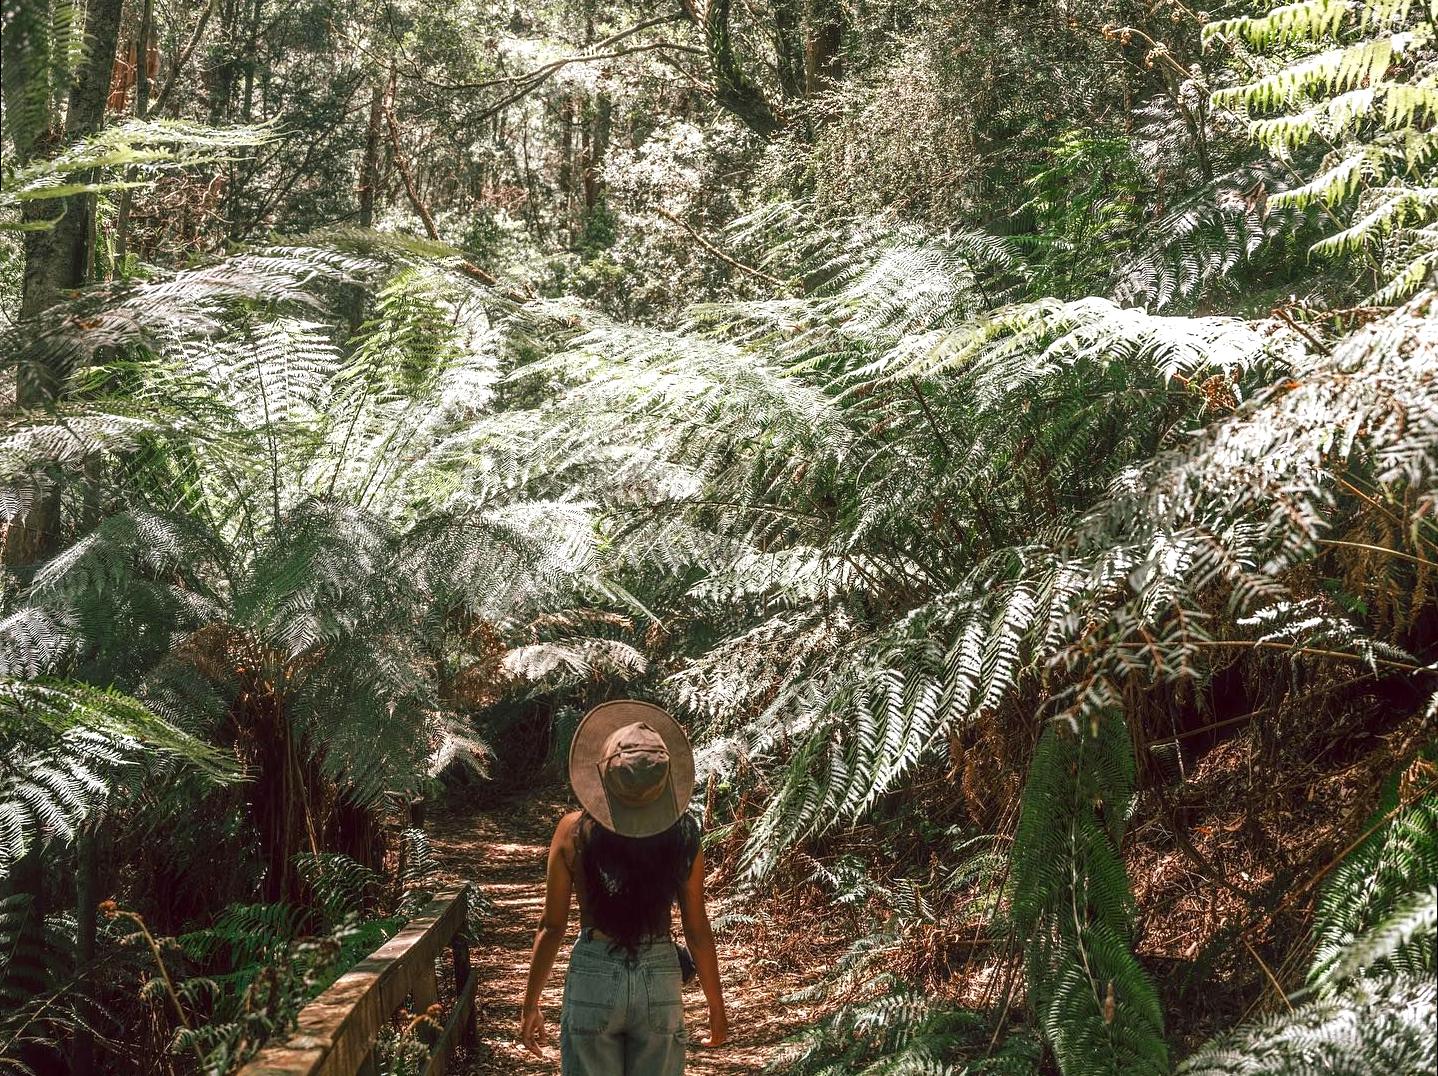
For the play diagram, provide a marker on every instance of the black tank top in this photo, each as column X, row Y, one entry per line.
column 628, row 885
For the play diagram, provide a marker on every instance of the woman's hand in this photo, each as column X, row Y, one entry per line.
column 531, row 1030
column 718, row 1031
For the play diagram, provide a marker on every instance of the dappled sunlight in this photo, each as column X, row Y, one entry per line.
column 997, row 442
column 503, row 850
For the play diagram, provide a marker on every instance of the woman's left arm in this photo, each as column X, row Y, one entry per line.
column 559, row 884
column 700, row 937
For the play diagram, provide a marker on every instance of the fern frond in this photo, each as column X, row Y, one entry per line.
column 1377, row 908
column 1334, row 71
column 1307, row 20
column 128, row 154
column 65, row 744
column 1379, row 1025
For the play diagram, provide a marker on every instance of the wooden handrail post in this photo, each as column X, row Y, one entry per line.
column 459, row 950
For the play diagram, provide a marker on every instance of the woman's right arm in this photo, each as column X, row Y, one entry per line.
column 559, row 885
column 699, row 936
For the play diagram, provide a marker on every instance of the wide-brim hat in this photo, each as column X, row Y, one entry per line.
column 637, row 728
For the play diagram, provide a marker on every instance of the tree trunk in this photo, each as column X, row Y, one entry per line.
column 252, row 60
column 221, row 75
column 368, row 185
column 142, row 109
column 594, row 115
column 75, row 234
column 789, row 47
column 59, row 259
column 82, row 1051
column 596, row 145
column 239, row 170
column 369, row 171
column 27, row 72
column 280, row 796
column 565, row 179
column 356, row 831
column 823, row 40
column 28, row 76
column 24, row 973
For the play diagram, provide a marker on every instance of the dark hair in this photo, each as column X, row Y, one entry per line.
column 630, row 883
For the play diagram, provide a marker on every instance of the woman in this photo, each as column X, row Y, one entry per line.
column 630, row 854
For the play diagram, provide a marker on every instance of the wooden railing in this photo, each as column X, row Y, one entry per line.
column 336, row 1032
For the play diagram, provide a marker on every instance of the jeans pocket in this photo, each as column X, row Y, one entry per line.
column 590, row 998
column 666, row 1002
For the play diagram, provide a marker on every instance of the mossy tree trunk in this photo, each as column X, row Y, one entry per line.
column 58, row 259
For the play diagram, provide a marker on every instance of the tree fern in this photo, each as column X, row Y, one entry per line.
column 1377, row 911
column 1212, row 236
column 258, row 969
column 312, row 501
column 128, row 154
column 1380, row 1025
column 899, row 1032
column 36, row 1007
column 1364, row 93
column 998, row 511
column 66, row 746
column 45, row 41
column 1375, row 925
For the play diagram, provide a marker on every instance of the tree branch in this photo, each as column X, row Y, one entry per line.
column 733, row 89
column 541, row 75
column 530, row 80
column 189, row 50
column 758, row 274
column 401, row 164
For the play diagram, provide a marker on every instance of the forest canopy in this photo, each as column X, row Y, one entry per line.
column 1004, row 432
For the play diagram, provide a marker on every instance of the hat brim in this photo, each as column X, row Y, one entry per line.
column 585, row 778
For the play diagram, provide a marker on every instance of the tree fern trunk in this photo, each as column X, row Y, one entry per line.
column 277, row 796
column 82, row 1053
column 25, row 971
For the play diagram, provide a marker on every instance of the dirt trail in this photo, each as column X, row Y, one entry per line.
column 503, row 851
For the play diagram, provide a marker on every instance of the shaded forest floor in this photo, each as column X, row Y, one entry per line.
column 502, row 850
column 1226, row 865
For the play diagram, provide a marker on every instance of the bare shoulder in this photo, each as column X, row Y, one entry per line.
column 568, row 827
column 569, row 821
column 564, row 848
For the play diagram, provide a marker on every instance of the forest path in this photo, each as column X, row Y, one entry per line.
column 502, row 850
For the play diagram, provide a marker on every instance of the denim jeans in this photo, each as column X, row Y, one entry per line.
column 622, row 1015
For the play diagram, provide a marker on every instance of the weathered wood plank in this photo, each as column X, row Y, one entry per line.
column 454, row 1027
column 336, row 1031
column 424, row 987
